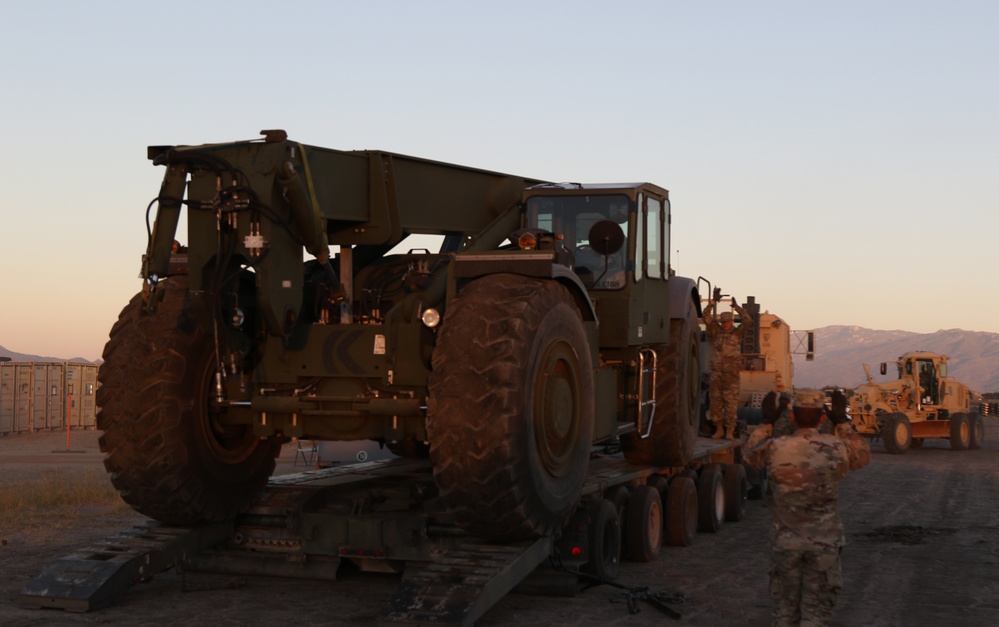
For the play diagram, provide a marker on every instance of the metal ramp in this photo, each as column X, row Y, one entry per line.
column 94, row 576
column 460, row 585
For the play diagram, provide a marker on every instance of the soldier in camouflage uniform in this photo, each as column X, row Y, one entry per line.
column 783, row 424
column 726, row 363
column 807, row 536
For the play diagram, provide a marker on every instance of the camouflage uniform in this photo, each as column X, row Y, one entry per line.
column 807, row 536
column 783, row 425
column 726, row 364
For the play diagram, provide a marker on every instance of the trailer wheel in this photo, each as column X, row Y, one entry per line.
column 896, row 433
column 169, row 455
column 658, row 482
column 677, row 410
column 605, row 541
column 960, row 432
column 736, row 492
column 510, row 414
column 976, row 431
column 619, row 496
column 681, row 511
column 710, row 500
column 644, row 524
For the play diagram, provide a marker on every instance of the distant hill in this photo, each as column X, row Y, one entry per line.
column 25, row 357
column 842, row 351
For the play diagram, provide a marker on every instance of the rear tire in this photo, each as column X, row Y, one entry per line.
column 645, row 524
column 977, row 431
column 169, row 456
column 677, row 411
column 736, row 492
column 710, row 500
column 681, row 511
column 960, row 432
column 510, row 414
column 896, row 433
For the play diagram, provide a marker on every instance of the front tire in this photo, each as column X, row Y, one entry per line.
column 169, row 456
column 510, row 415
column 897, row 433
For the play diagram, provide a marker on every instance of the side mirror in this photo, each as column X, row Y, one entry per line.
column 606, row 237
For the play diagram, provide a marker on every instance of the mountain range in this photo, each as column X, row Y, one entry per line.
column 842, row 351
column 26, row 357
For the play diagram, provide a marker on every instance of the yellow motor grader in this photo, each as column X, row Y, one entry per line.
column 922, row 403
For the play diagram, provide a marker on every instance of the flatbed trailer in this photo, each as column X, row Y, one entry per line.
column 383, row 516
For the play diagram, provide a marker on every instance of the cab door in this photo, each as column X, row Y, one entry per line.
column 649, row 307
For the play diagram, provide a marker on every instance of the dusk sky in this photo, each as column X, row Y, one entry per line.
column 837, row 160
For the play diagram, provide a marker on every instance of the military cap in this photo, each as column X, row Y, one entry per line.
column 726, row 316
column 809, row 398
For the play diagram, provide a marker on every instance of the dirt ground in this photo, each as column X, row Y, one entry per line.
column 922, row 550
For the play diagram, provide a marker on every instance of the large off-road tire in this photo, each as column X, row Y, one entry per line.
column 896, row 433
column 168, row 456
column 510, row 415
column 977, row 431
column 960, row 432
column 677, row 413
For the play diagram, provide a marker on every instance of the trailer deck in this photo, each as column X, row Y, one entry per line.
column 380, row 515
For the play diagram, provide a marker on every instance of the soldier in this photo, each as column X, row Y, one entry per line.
column 726, row 362
column 807, row 535
column 778, row 414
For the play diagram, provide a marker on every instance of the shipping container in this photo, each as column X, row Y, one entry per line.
column 43, row 396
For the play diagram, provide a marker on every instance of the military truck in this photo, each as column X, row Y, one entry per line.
column 548, row 320
column 924, row 402
column 768, row 349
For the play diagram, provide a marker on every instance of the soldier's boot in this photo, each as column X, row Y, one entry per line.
column 719, row 433
column 729, row 433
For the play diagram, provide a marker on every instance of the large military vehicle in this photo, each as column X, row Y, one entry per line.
column 924, row 402
column 548, row 320
column 768, row 349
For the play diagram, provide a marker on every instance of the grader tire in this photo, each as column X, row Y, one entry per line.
column 168, row 455
column 960, row 432
column 977, row 431
column 677, row 410
column 896, row 433
column 510, row 414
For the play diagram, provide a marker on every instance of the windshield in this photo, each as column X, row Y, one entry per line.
column 572, row 217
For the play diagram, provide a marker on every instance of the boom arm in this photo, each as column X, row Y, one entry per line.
column 258, row 203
